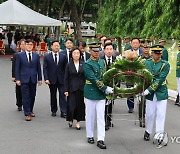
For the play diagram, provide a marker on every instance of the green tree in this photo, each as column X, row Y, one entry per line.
column 162, row 18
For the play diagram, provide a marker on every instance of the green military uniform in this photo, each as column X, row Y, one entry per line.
column 164, row 51
column 62, row 42
column 165, row 54
column 114, row 45
column 94, row 92
column 49, row 42
column 94, row 88
column 156, row 93
column 178, row 65
column 127, row 47
column 159, row 71
column 178, row 75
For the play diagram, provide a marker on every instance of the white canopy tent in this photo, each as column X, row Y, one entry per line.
column 14, row 13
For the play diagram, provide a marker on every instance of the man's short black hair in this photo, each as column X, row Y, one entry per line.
column 107, row 39
column 81, row 43
column 54, row 42
column 102, row 37
column 69, row 39
column 135, row 38
column 29, row 40
column 108, row 44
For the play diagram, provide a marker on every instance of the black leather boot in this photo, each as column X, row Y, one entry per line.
column 177, row 100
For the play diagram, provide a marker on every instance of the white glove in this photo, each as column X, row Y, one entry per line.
column 109, row 90
column 146, row 92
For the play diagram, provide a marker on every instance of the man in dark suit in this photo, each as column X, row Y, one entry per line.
column 85, row 55
column 109, row 59
column 54, row 70
column 18, row 88
column 69, row 45
column 108, row 40
column 28, row 73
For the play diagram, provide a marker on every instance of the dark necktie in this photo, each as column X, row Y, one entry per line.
column 109, row 62
column 82, row 58
column 30, row 58
column 55, row 58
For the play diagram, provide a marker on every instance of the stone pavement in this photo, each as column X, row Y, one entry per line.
column 51, row 135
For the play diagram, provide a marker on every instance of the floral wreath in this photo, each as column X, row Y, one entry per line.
column 132, row 75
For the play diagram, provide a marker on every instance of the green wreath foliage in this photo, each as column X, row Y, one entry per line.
column 131, row 73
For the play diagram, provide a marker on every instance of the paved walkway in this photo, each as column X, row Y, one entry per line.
column 51, row 135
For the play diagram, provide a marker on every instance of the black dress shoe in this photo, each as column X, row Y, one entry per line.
column 106, row 127
column 70, row 123
column 130, row 111
column 78, row 128
column 53, row 114
column 110, row 124
column 63, row 115
column 90, row 140
column 19, row 108
column 146, row 136
column 141, row 124
column 101, row 144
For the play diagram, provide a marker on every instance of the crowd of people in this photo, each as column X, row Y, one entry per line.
column 77, row 76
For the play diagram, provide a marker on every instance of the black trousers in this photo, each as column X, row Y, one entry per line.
column 142, row 107
column 108, row 111
column 53, row 96
column 18, row 96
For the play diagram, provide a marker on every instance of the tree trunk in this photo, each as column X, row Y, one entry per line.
column 61, row 9
column 45, row 12
column 83, row 4
column 99, row 4
column 60, row 15
column 75, row 19
column 49, row 13
column 119, row 40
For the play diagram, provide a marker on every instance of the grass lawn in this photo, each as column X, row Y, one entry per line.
column 172, row 84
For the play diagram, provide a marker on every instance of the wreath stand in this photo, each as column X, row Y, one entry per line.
column 140, row 99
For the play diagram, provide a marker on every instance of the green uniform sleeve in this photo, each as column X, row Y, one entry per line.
column 165, row 54
column 178, row 60
column 89, row 74
column 127, row 47
column 160, row 80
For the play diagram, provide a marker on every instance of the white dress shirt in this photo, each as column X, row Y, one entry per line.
column 77, row 66
column 67, row 50
column 56, row 56
column 137, row 51
column 107, row 59
column 27, row 54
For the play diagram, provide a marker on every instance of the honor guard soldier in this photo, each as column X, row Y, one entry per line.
column 162, row 42
column 157, row 93
column 145, row 44
column 178, row 75
column 94, row 92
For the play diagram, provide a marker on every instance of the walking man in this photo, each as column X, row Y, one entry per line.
column 28, row 74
